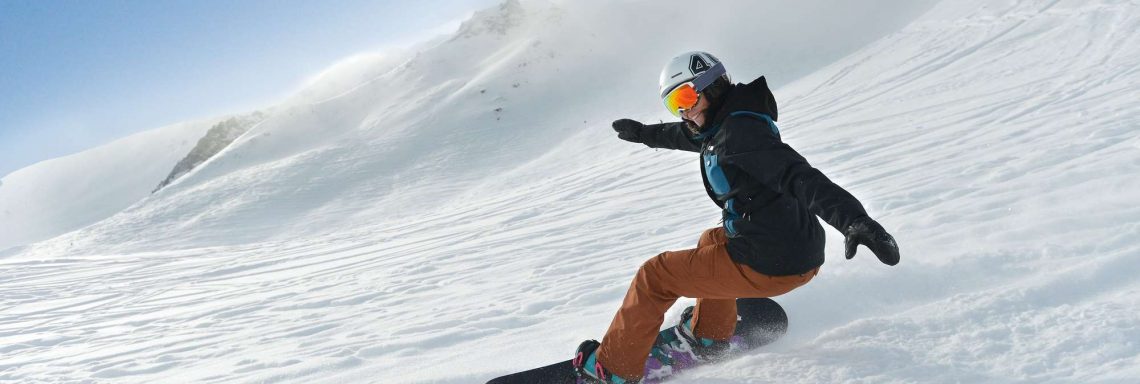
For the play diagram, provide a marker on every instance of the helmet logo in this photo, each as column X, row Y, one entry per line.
column 697, row 64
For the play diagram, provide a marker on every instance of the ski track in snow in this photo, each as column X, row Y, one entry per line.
column 997, row 140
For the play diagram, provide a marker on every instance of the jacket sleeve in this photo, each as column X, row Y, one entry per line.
column 669, row 136
column 782, row 169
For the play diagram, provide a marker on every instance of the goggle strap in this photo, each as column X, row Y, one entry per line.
column 708, row 77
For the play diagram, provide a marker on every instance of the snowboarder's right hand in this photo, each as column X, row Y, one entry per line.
column 629, row 130
column 868, row 232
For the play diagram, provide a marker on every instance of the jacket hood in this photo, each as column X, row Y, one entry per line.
column 753, row 97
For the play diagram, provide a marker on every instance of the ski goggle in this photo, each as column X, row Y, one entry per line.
column 687, row 94
column 681, row 98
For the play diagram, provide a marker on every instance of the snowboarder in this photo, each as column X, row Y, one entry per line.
column 769, row 244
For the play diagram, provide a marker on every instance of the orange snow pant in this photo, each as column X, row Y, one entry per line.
column 706, row 273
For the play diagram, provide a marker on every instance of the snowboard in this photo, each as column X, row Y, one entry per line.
column 760, row 322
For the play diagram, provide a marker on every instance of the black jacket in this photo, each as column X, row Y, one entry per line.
column 769, row 194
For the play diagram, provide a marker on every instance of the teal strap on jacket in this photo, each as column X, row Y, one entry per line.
column 729, row 216
column 761, row 116
column 711, row 131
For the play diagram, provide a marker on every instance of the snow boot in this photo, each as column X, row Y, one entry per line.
column 679, row 347
column 587, row 367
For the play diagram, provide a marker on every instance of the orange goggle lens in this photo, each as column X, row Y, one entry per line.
column 681, row 98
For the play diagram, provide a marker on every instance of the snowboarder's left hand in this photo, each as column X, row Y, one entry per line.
column 629, row 130
column 868, row 232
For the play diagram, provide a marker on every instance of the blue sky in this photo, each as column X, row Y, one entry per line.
column 78, row 73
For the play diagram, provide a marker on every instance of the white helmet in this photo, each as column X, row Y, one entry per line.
column 699, row 67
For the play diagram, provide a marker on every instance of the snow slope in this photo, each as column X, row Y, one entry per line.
column 425, row 237
column 64, row 194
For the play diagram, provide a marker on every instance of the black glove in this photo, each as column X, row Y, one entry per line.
column 868, row 232
column 629, row 130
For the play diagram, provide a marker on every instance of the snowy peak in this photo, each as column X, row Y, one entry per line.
column 216, row 139
column 498, row 21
